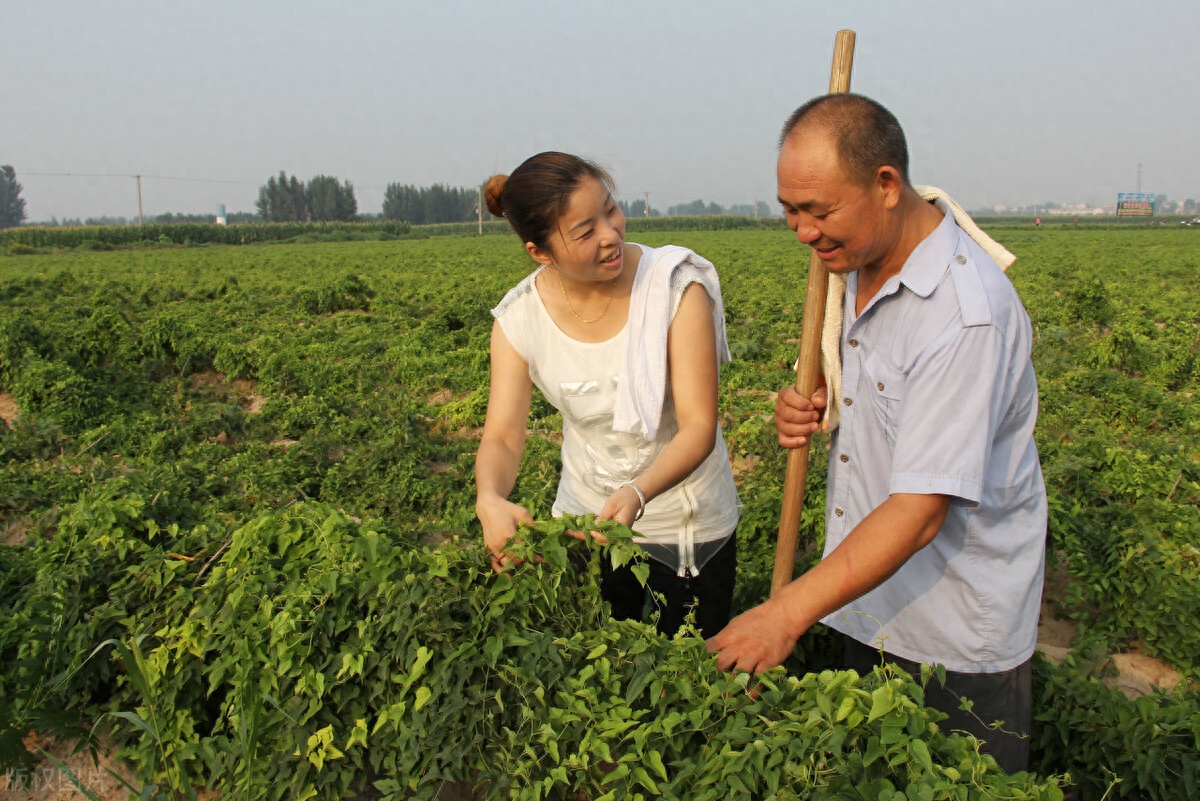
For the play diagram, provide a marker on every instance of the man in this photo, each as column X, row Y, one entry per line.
column 936, row 507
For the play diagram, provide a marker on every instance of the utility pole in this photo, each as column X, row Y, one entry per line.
column 479, row 207
column 646, row 210
column 139, row 184
column 1139, row 184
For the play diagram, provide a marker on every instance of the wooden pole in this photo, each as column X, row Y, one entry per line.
column 808, row 367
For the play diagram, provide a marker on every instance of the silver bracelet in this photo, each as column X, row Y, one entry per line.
column 641, row 499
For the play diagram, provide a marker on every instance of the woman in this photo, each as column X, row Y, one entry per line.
column 626, row 342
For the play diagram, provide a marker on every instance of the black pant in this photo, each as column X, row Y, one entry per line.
column 710, row 593
column 1006, row 696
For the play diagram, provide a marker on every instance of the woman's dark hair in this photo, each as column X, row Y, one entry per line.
column 536, row 194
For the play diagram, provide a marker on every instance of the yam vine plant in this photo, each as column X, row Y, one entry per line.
column 318, row 659
column 1114, row 746
column 171, row 400
column 1118, row 361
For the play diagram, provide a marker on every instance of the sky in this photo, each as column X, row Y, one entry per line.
column 1013, row 102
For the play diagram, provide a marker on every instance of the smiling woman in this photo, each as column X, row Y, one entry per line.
column 626, row 342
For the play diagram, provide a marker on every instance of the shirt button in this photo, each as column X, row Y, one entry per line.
column 961, row 259
column 844, row 458
column 879, row 386
column 854, row 343
column 847, row 401
column 838, row 511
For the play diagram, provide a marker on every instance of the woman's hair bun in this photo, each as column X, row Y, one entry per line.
column 492, row 191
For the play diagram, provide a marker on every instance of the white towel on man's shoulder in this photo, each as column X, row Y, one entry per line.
column 642, row 381
column 831, row 332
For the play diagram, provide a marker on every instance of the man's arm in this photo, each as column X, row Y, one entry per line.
column 762, row 637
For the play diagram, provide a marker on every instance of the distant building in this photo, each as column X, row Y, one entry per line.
column 1072, row 210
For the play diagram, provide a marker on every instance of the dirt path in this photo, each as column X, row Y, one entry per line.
column 49, row 783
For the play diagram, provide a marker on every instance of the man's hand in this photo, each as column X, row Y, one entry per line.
column 798, row 417
column 756, row 640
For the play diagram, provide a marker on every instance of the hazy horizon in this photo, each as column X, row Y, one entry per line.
column 1017, row 103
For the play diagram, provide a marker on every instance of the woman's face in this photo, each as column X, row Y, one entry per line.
column 588, row 244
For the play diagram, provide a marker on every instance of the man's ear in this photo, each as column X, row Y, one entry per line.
column 890, row 185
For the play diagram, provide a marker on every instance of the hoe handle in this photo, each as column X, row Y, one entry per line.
column 808, row 367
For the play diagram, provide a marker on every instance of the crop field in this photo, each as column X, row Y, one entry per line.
column 237, row 516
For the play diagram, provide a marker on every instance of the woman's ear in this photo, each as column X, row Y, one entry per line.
column 542, row 257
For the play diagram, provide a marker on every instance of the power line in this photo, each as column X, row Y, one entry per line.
column 142, row 175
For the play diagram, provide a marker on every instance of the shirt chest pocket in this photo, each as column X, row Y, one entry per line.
column 884, row 385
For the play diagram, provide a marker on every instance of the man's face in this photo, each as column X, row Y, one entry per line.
column 842, row 220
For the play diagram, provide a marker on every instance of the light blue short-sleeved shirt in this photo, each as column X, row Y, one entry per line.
column 939, row 397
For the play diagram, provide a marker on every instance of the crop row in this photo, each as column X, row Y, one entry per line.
column 105, row 237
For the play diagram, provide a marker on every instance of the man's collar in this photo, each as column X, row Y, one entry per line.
column 925, row 266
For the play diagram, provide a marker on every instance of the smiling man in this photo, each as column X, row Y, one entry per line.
column 936, row 507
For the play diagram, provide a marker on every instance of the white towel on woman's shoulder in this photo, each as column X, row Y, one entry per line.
column 642, row 381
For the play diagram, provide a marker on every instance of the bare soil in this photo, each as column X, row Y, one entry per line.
column 1132, row 672
column 49, row 783
column 8, row 409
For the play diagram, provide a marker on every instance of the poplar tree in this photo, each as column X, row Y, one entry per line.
column 12, row 205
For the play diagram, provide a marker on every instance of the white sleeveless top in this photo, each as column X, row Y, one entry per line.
column 684, row 525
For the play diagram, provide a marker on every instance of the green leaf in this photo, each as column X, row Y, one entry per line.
column 845, row 708
column 920, row 750
column 656, row 764
column 882, row 701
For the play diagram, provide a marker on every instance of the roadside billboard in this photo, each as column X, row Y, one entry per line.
column 1135, row 204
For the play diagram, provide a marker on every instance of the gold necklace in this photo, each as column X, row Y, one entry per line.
column 612, row 285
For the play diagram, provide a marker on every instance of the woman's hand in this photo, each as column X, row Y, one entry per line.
column 622, row 506
column 796, row 417
column 500, row 520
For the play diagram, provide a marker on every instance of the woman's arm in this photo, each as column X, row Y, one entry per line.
column 692, row 362
column 500, row 447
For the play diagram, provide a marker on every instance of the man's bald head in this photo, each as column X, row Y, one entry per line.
column 867, row 135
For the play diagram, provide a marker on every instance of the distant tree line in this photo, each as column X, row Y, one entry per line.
column 637, row 209
column 285, row 198
column 698, row 208
column 322, row 199
column 1164, row 205
column 425, row 205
